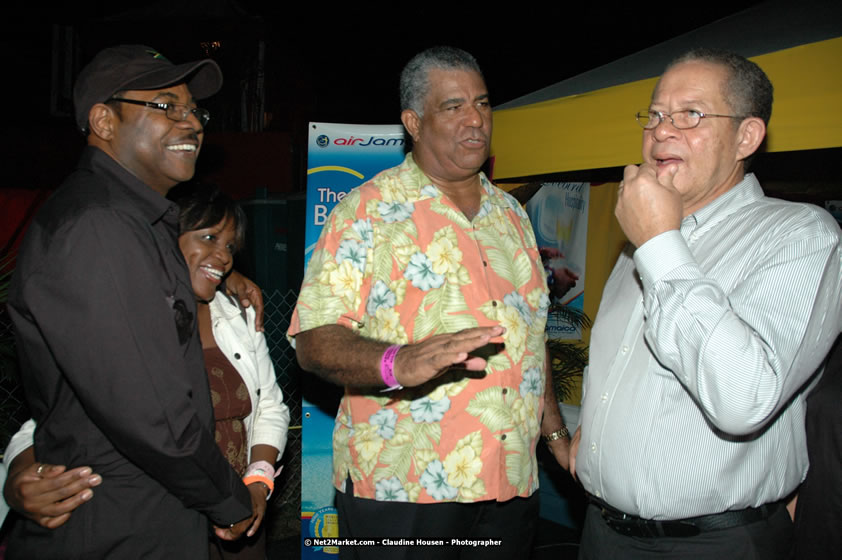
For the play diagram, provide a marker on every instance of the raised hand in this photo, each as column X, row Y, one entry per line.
column 647, row 203
column 418, row 363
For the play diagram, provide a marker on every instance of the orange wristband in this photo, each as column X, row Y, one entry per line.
column 261, row 471
column 251, row 479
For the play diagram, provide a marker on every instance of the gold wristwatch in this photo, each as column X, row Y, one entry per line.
column 558, row 434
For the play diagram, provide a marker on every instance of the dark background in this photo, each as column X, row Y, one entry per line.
column 285, row 65
column 330, row 63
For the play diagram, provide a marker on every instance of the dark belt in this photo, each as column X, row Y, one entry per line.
column 633, row 526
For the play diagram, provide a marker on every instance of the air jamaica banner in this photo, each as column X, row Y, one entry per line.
column 339, row 158
column 559, row 215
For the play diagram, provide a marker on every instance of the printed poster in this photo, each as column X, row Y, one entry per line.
column 339, row 158
column 559, row 215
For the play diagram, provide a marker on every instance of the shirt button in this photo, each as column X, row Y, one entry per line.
column 237, row 355
column 505, row 390
column 494, row 304
column 484, row 263
column 593, row 448
column 597, row 494
column 625, row 349
column 503, row 437
column 604, row 397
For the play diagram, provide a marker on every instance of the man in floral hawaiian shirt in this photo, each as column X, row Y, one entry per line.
column 431, row 260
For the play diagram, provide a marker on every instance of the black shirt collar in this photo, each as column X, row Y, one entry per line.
column 127, row 190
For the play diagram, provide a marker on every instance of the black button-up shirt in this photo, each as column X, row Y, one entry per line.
column 112, row 367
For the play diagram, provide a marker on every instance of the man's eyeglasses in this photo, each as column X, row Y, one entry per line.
column 175, row 111
column 679, row 119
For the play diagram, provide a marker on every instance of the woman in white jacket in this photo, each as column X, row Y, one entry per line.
column 251, row 417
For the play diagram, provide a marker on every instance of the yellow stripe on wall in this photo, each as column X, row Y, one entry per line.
column 597, row 129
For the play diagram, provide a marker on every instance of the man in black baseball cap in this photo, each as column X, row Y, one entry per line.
column 105, row 315
column 137, row 67
column 136, row 84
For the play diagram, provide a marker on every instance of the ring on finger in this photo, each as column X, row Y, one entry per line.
column 40, row 470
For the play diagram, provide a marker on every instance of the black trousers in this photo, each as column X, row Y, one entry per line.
column 486, row 530
column 770, row 539
column 818, row 512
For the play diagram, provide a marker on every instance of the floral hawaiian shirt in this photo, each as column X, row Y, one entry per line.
column 398, row 262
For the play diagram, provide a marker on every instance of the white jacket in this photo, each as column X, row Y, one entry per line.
column 247, row 351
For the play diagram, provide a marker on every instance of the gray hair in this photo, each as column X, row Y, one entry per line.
column 747, row 90
column 415, row 77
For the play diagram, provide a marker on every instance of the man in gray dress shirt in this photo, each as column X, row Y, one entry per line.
column 710, row 328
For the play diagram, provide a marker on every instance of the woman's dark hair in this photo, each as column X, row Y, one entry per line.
column 204, row 206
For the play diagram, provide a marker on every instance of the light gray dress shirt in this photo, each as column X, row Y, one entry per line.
column 703, row 341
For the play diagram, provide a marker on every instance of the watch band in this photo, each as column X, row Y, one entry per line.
column 558, row 434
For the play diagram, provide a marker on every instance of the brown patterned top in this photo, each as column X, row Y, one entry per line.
column 231, row 404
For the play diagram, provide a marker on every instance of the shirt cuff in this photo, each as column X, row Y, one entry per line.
column 23, row 439
column 659, row 256
column 232, row 509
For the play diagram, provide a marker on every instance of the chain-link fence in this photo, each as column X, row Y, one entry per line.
column 13, row 409
column 285, row 510
column 284, row 515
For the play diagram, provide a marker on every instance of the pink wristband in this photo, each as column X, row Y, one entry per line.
column 387, row 367
column 262, row 471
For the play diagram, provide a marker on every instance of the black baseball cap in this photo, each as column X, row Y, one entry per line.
column 138, row 67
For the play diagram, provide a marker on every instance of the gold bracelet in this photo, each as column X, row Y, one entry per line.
column 558, row 434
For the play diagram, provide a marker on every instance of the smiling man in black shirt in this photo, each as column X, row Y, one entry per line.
column 105, row 321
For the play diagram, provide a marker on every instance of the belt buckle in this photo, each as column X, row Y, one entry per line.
column 631, row 526
column 621, row 522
